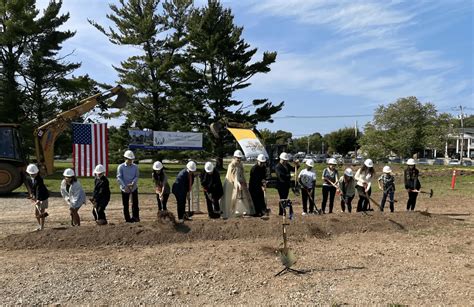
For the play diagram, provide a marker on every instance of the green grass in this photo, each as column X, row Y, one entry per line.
column 436, row 177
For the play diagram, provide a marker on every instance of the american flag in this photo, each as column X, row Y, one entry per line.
column 90, row 147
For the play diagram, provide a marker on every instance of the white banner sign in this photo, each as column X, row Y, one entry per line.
column 177, row 140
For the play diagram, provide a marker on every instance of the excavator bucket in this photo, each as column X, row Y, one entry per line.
column 121, row 100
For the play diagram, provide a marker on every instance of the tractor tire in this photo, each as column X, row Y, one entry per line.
column 10, row 178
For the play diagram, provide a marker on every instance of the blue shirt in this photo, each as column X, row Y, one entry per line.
column 127, row 174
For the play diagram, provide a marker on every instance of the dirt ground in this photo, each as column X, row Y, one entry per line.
column 416, row 258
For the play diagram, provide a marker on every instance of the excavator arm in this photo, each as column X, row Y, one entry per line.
column 45, row 136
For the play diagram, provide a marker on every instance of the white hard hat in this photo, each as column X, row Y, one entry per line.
column 369, row 163
column 411, row 162
column 129, row 155
column 348, row 172
column 209, row 167
column 32, row 169
column 332, row 161
column 310, row 162
column 238, row 154
column 387, row 169
column 261, row 158
column 68, row 172
column 191, row 166
column 284, row 156
column 157, row 166
column 99, row 169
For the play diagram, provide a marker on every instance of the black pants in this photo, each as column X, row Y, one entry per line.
column 181, row 206
column 258, row 199
column 331, row 191
column 304, row 197
column 411, row 200
column 162, row 204
column 100, row 215
column 363, row 203
column 213, row 207
column 283, row 194
column 135, row 209
column 346, row 202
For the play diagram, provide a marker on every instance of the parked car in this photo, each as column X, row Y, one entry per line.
column 467, row 162
column 423, row 161
column 438, row 162
column 454, row 162
column 396, row 160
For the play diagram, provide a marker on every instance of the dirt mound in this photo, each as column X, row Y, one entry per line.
column 166, row 231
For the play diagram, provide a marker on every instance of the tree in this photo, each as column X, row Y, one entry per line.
column 45, row 72
column 33, row 75
column 341, row 141
column 160, row 39
column 309, row 144
column 405, row 127
column 219, row 63
column 17, row 27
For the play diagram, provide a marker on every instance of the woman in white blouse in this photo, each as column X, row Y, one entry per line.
column 73, row 194
column 364, row 176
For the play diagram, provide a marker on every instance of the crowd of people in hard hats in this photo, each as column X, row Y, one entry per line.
column 232, row 198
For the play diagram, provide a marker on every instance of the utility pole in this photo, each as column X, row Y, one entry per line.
column 462, row 131
column 307, row 148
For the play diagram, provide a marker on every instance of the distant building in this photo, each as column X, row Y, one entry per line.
column 454, row 144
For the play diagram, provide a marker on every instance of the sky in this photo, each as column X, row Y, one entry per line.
column 336, row 60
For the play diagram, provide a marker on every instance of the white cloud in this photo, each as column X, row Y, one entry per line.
column 369, row 55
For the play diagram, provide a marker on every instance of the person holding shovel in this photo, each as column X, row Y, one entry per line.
column 307, row 179
column 387, row 185
column 101, row 196
column 347, row 188
column 412, row 183
column 283, row 174
column 182, row 187
column 236, row 201
column 127, row 177
column 73, row 194
column 213, row 191
column 162, row 188
column 257, row 185
column 364, row 177
column 330, row 177
column 39, row 194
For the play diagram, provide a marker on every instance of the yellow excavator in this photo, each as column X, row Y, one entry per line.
column 12, row 155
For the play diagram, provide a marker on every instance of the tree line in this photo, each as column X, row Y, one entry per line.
column 189, row 64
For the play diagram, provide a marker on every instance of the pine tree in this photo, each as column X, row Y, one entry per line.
column 17, row 27
column 160, row 37
column 219, row 63
column 46, row 72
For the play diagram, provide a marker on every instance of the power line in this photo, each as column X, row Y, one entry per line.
column 321, row 116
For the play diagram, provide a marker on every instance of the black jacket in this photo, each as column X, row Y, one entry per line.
column 181, row 185
column 411, row 179
column 283, row 174
column 212, row 183
column 38, row 189
column 101, row 191
column 257, row 175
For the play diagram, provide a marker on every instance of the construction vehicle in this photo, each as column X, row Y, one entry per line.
column 12, row 155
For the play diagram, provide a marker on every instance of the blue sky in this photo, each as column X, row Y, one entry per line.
column 335, row 58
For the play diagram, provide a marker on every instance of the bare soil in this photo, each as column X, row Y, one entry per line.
column 417, row 258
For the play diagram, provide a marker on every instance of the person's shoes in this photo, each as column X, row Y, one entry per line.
column 304, row 213
column 188, row 218
column 129, row 221
column 38, row 228
column 180, row 221
column 135, row 219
